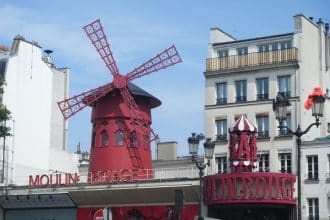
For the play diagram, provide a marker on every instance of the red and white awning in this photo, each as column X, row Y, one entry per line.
column 243, row 124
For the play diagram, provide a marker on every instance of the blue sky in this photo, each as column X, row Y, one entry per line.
column 137, row 30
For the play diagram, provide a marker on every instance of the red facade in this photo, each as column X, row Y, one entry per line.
column 242, row 185
column 160, row 212
column 119, row 149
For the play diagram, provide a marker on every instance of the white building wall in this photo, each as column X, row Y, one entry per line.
column 38, row 140
column 311, row 68
column 27, row 95
column 316, row 189
column 60, row 79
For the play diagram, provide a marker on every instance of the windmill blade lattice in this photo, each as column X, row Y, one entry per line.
column 96, row 34
column 76, row 103
column 168, row 57
column 94, row 31
column 135, row 112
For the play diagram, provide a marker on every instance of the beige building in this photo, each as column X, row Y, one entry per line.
column 244, row 76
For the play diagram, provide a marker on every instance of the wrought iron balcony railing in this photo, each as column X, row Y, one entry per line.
column 263, row 134
column 252, row 59
column 221, row 101
column 263, row 96
column 221, row 137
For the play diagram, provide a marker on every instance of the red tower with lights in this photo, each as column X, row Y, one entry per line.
column 243, row 146
column 121, row 114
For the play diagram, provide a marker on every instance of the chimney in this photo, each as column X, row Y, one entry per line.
column 48, row 58
column 319, row 22
column 4, row 48
column 167, row 150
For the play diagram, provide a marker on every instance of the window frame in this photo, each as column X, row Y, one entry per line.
column 312, row 167
column 222, row 92
column 263, row 91
column 285, row 162
column 263, row 162
column 223, row 129
column 263, row 48
column 284, row 87
column 241, row 90
column 222, row 53
column 222, row 163
column 104, row 138
column 313, row 208
column 119, row 141
column 242, row 51
column 263, row 131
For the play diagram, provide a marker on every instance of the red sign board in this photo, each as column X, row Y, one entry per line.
column 98, row 215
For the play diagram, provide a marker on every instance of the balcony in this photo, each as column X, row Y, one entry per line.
column 241, row 99
column 263, row 135
column 221, row 138
column 262, row 96
column 255, row 60
column 221, row 101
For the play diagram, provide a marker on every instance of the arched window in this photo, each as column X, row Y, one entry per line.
column 104, row 138
column 119, row 137
column 133, row 139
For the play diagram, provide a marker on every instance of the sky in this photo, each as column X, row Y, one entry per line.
column 138, row 30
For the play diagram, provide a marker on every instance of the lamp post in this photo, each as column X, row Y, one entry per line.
column 280, row 108
column 209, row 145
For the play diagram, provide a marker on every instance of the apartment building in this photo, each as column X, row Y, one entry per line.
column 244, row 77
column 34, row 84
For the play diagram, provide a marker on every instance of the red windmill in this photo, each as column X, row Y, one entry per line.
column 121, row 114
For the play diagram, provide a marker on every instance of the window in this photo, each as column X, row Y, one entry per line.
column 242, row 51
column 262, row 88
column 328, row 171
column 287, row 123
column 312, row 168
column 284, row 85
column 274, row 46
column 133, row 139
column 221, row 129
column 285, row 162
column 222, row 53
column 222, row 164
column 263, row 165
column 263, row 126
column 221, row 93
column 286, row 44
column 263, row 48
column 313, row 208
column 240, row 90
column 119, row 137
column 104, row 138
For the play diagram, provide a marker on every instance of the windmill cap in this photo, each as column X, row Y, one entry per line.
column 135, row 90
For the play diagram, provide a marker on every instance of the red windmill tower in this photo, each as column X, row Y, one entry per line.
column 121, row 111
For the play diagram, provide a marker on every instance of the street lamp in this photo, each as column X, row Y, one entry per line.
column 280, row 108
column 209, row 145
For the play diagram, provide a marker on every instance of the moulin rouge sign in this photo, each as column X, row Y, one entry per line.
column 249, row 187
column 66, row 179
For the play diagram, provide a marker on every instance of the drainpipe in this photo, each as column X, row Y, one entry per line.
column 327, row 56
